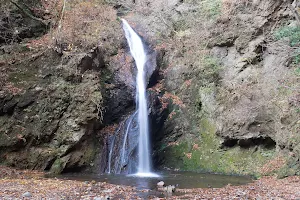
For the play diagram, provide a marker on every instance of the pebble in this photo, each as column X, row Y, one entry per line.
column 169, row 188
column 107, row 191
column 26, row 194
column 160, row 184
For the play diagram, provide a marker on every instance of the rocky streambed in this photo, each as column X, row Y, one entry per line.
column 223, row 91
column 16, row 184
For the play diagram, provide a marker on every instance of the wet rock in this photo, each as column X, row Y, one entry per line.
column 151, row 65
column 115, row 147
column 119, row 102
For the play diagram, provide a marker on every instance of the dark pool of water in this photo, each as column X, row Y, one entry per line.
column 183, row 180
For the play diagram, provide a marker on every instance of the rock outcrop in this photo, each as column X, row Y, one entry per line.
column 53, row 106
column 227, row 81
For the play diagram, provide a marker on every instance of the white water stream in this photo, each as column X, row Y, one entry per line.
column 138, row 53
column 125, row 138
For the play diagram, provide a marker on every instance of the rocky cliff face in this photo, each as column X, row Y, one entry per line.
column 53, row 122
column 60, row 105
column 54, row 104
column 230, row 83
column 226, row 95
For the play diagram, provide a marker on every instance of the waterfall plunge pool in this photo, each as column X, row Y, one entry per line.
column 182, row 180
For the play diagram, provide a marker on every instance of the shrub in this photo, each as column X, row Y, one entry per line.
column 85, row 24
column 297, row 70
column 291, row 33
column 211, row 8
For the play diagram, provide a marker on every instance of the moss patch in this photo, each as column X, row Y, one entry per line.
column 211, row 8
column 204, row 154
column 59, row 165
column 23, row 76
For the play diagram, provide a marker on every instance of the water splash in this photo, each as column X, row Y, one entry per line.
column 138, row 53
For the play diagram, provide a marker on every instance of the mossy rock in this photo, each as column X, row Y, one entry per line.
column 204, row 153
column 59, row 165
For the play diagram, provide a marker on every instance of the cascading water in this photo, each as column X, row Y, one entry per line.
column 138, row 53
column 110, row 155
column 121, row 145
column 125, row 138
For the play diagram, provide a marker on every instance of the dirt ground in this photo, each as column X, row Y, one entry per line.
column 17, row 184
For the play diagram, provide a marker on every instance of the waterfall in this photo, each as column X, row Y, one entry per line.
column 138, row 53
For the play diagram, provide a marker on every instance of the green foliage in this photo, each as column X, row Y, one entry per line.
column 292, row 33
column 211, row 64
column 210, row 69
column 296, row 60
column 211, row 8
column 297, row 70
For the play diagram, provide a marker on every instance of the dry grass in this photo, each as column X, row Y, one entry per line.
column 85, row 24
column 230, row 6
